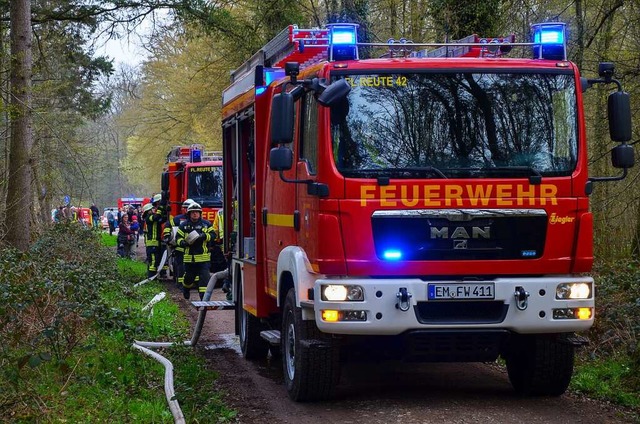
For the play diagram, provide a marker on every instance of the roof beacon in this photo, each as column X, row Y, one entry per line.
column 343, row 41
column 550, row 41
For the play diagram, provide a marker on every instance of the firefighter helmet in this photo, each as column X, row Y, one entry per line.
column 194, row 207
column 187, row 203
column 147, row 207
column 156, row 198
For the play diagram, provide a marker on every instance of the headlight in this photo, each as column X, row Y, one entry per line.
column 573, row 291
column 340, row 293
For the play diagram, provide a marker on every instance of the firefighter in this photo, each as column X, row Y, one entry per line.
column 153, row 216
column 178, row 251
column 194, row 235
column 218, row 261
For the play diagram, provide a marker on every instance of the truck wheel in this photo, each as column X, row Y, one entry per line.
column 252, row 345
column 539, row 365
column 310, row 359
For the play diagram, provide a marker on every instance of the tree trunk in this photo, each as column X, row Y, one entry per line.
column 19, row 187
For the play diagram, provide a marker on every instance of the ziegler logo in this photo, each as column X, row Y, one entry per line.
column 555, row 219
column 461, row 233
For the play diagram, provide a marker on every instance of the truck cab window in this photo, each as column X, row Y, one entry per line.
column 462, row 124
column 309, row 134
column 205, row 185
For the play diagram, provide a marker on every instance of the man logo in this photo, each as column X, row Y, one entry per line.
column 461, row 233
column 459, row 244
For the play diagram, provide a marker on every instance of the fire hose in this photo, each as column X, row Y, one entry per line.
column 146, row 347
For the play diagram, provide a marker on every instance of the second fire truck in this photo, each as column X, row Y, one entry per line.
column 429, row 205
column 192, row 173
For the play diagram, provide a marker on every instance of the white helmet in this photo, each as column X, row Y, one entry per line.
column 156, row 198
column 147, row 207
column 187, row 203
column 194, row 207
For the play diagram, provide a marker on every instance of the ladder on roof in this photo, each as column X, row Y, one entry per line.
column 293, row 44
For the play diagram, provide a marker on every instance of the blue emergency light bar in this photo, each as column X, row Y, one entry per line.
column 343, row 41
column 550, row 40
column 196, row 155
column 392, row 255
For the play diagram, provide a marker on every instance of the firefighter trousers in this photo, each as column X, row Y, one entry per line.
column 196, row 272
column 154, row 255
column 178, row 267
column 218, row 261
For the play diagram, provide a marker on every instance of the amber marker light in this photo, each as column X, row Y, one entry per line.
column 583, row 313
column 330, row 315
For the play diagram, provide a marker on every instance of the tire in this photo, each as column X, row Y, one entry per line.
column 539, row 365
column 252, row 345
column 310, row 359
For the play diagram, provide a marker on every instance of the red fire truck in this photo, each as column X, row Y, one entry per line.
column 192, row 173
column 428, row 205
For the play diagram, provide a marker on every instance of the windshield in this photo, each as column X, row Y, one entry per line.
column 205, row 185
column 454, row 125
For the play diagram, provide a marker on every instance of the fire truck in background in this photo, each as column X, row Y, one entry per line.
column 192, row 173
column 429, row 205
column 136, row 202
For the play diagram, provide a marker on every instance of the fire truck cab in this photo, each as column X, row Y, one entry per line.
column 428, row 205
column 193, row 173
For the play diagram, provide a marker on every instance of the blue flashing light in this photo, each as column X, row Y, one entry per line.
column 343, row 36
column 550, row 36
column 550, row 41
column 196, row 155
column 260, row 90
column 343, row 41
column 392, row 255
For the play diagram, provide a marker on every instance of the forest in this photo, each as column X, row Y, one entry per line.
column 99, row 132
column 74, row 124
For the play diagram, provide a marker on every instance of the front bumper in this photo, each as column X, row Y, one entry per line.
column 385, row 317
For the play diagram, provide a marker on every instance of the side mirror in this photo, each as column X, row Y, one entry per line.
column 282, row 118
column 619, row 110
column 622, row 156
column 334, row 93
column 280, row 158
column 164, row 181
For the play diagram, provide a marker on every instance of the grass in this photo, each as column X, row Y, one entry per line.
column 109, row 240
column 105, row 379
column 606, row 379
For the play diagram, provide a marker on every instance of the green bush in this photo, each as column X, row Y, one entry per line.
column 68, row 316
column 609, row 367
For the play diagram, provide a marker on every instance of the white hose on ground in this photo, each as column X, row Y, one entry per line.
column 154, row 276
column 174, row 406
column 168, row 376
column 157, row 298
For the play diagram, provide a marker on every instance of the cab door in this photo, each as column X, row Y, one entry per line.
column 306, row 169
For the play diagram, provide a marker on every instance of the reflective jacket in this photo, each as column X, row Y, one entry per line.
column 175, row 223
column 198, row 251
column 218, row 225
column 153, row 227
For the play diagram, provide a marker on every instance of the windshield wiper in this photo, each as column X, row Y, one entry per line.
column 535, row 177
column 395, row 172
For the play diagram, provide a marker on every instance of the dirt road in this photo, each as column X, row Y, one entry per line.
column 382, row 392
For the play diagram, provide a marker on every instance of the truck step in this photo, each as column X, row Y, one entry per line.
column 213, row 305
column 272, row 336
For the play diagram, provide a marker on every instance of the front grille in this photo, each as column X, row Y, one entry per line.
column 460, row 234
column 461, row 312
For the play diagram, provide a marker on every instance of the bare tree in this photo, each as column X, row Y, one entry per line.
column 19, row 196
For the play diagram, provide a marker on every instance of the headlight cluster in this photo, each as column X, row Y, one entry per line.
column 573, row 291
column 573, row 313
column 329, row 315
column 341, row 293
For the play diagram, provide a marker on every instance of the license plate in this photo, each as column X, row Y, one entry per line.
column 461, row 291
